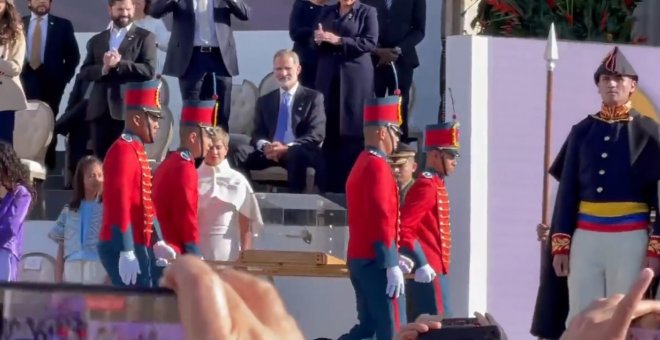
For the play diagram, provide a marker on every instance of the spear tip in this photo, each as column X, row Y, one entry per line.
column 551, row 50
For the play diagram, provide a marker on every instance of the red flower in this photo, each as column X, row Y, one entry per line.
column 639, row 40
column 603, row 21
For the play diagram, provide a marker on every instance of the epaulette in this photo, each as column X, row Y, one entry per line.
column 127, row 137
column 185, row 155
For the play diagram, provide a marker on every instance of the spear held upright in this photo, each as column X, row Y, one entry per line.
column 551, row 57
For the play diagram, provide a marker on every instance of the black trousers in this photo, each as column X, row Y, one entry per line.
column 384, row 84
column 78, row 132
column 105, row 131
column 340, row 151
column 245, row 158
column 308, row 75
column 38, row 86
column 198, row 82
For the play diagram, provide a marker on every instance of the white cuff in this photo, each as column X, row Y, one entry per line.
column 261, row 143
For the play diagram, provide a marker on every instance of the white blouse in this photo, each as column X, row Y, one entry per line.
column 224, row 191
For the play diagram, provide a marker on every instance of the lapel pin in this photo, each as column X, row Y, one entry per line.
column 299, row 108
column 350, row 16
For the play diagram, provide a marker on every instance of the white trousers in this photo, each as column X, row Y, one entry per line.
column 88, row 272
column 602, row 264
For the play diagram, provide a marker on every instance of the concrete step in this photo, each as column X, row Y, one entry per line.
column 60, row 158
column 49, row 204
column 54, row 182
column 55, row 201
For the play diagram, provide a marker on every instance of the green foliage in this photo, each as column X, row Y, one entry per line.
column 590, row 20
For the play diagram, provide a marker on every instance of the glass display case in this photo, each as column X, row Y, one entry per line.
column 298, row 222
column 322, row 307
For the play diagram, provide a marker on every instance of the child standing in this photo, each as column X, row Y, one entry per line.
column 77, row 228
column 14, row 207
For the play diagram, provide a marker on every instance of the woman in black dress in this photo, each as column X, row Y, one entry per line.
column 345, row 36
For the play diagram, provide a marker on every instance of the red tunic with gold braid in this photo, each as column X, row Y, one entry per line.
column 425, row 233
column 176, row 197
column 128, row 212
column 372, row 200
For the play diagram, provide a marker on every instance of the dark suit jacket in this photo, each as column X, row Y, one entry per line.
column 182, row 40
column 61, row 54
column 403, row 25
column 138, row 62
column 75, row 108
column 307, row 117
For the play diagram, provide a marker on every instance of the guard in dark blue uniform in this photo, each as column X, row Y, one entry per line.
column 601, row 233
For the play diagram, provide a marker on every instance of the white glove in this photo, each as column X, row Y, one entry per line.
column 395, row 286
column 129, row 267
column 406, row 264
column 424, row 274
column 164, row 251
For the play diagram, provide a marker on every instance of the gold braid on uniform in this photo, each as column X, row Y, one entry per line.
column 653, row 249
column 615, row 113
column 561, row 244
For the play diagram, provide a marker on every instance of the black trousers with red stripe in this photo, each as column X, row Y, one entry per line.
column 425, row 298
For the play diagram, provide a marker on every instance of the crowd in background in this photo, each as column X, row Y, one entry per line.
column 346, row 52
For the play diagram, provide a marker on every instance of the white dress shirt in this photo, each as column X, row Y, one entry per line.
column 117, row 36
column 44, row 34
column 208, row 38
column 155, row 26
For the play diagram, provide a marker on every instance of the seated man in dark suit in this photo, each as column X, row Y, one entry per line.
column 289, row 128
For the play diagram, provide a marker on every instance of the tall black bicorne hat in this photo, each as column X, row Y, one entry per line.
column 615, row 63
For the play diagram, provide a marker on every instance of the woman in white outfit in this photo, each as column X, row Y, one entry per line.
column 77, row 228
column 228, row 211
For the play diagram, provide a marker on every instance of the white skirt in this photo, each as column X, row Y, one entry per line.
column 218, row 247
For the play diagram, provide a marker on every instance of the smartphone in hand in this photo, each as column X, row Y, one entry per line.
column 462, row 329
column 73, row 311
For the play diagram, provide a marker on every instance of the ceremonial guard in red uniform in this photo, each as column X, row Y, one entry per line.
column 425, row 234
column 373, row 216
column 125, row 240
column 601, row 231
column 176, row 179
